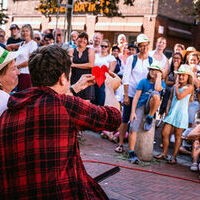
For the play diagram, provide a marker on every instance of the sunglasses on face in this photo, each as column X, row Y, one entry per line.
column 104, row 46
column 37, row 38
column 58, row 34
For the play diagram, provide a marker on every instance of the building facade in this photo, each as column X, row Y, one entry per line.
column 155, row 18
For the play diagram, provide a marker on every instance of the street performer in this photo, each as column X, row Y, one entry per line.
column 39, row 153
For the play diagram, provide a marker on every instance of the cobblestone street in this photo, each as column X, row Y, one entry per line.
column 134, row 184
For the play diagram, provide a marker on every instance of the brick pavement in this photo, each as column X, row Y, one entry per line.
column 131, row 184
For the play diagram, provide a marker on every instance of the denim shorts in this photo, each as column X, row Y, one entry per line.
column 192, row 110
column 127, row 111
column 140, row 112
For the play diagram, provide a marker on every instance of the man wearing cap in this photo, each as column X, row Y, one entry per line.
column 136, row 69
column 132, row 48
column 15, row 35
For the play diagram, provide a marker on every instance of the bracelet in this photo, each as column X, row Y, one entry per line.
column 72, row 90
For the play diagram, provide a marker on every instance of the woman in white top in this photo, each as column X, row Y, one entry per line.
column 103, row 58
column 8, row 76
column 158, row 55
column 25, row 48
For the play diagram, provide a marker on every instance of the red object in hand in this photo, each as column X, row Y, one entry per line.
column 99, row 74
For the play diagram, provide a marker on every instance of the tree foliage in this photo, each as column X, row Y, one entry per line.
column 104, row 7
column 3, row 17
column 194, row 10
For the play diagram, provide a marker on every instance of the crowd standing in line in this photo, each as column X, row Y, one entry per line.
column 151, row 83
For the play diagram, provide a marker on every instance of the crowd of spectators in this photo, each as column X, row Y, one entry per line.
column 152, row 86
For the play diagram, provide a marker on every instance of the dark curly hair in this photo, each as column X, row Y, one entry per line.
column 47, row 64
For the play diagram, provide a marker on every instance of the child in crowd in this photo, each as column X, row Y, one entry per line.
column 187, row 141
column 177, row 111
column 146, row 101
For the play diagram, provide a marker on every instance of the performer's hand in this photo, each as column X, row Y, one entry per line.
column 112, row 80
column 85, row 81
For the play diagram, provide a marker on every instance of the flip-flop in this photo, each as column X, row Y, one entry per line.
column 172, row 160
column 161, row 156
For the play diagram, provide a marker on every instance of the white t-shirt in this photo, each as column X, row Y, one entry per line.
column 4, row 96
column 106, row 60
column 133, row 77
column 25, row 51
column 162, row 62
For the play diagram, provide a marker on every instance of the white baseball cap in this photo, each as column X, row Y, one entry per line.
column 142, row 38
column 6, row 57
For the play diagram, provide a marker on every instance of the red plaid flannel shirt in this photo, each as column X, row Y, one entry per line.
column 39, row 154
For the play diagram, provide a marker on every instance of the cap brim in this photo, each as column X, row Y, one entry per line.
column 188, row 73
column 155, row 68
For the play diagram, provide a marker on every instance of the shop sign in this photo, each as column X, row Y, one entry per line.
column 79, row 7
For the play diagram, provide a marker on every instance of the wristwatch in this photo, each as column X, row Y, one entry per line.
column 72, row 90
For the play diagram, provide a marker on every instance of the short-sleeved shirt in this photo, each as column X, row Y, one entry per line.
column 4, row 96
column 11, row 40
column 25, row 50
column 162, row 62
column 106, row 60
column 132, row 77
column 147, row 88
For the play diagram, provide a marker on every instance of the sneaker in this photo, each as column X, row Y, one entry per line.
column 133, row 158
column 148, row 123
column 194, row 167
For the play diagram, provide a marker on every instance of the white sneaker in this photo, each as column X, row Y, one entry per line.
column 194, row 167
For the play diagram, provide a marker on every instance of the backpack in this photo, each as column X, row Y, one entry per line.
column 135, row 61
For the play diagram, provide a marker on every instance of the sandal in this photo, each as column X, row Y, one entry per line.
column 161, row 156
column 172, row 160
column 119, row 148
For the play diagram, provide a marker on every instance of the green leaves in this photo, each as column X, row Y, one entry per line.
column 3, row 17
column 101, row 7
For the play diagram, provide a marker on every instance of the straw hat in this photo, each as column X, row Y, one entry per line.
column 155, row 66
column 142, row 38
column 6, row 57
column 188, row 51
column 184, row 69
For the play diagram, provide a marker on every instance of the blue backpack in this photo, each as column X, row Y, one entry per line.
column 135, row 61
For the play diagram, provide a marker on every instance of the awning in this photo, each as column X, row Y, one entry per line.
column 171, row 28
column 34, row 24
column 60, row 24
column 115, row 26
column 179, row 33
